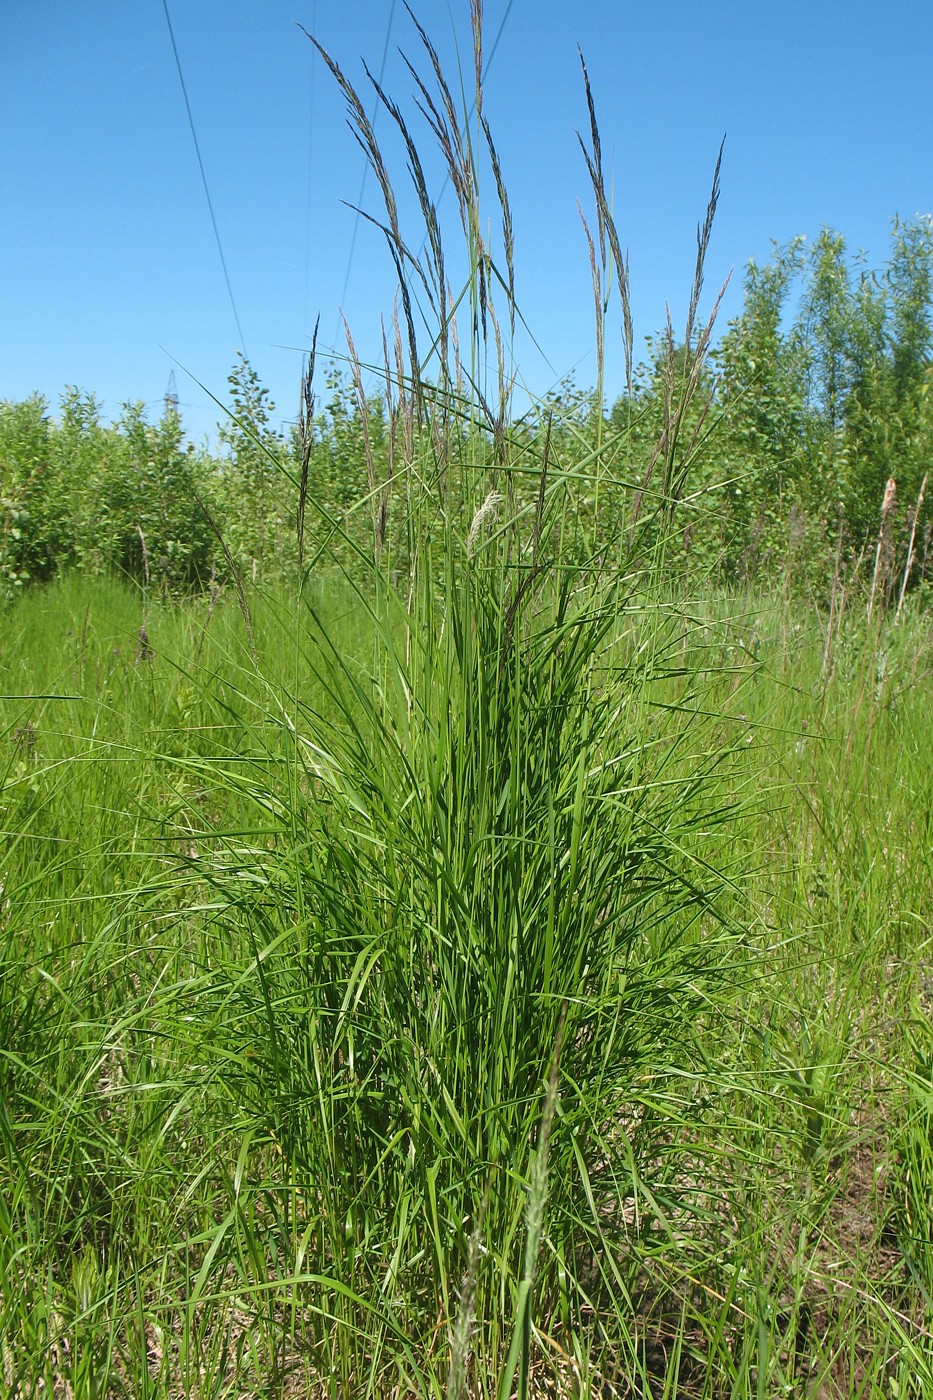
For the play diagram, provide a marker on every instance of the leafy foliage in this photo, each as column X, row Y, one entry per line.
column 816, row 394
column 824, row 401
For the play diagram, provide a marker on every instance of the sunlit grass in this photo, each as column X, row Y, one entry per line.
column 265, row 1078
column 480, row 967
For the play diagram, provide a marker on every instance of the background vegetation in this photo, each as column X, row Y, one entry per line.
column 812, row 398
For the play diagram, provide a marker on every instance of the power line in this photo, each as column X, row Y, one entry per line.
column 207, row 193
column 310, row 168
column 492, row 52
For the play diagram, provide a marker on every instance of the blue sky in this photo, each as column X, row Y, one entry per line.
column 108, row 262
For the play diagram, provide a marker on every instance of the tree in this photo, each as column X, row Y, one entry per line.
column 31, row 524
column 257, row 514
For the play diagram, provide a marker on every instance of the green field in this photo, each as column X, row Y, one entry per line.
column 375, row 1023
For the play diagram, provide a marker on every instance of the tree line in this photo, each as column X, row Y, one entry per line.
column 816, row 396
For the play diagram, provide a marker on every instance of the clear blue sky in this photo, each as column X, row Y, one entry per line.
column 108, row 261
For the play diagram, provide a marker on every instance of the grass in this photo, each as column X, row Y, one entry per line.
column 277, row 1051
column 482, row 968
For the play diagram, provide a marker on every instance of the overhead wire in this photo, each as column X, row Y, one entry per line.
column 207, row 193
column 307, row 289
column 495, row 43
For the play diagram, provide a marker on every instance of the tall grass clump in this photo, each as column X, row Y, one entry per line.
column 476, row 941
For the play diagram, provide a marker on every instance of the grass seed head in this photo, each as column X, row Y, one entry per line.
column 489, row 508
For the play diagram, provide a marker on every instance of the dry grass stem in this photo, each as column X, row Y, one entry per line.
column 908, row 566
column 882, row 548
column 305, row 441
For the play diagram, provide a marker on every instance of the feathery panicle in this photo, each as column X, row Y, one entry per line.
column 883, row 548
column 305, row 440
column 595, row 164
column 392, row 409
column 890, row 498
column 703, row 236
column 427, row 279
column 459, row 385
column 435, row 276
column 377, row 498
column 911, row 556
column 365, row 135
column 447, row 101
column 458, row 155
column 389, row 391
column 508, row 233
column 406, row 407
column 608, row 234
column 597, row 295
column 462, row 1331
column 363, row 131
column 487, row 510
column 476, row 24
column 500, row 442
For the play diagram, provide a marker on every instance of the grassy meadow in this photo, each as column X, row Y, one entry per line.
column 341, row 1057
column 485, row 956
